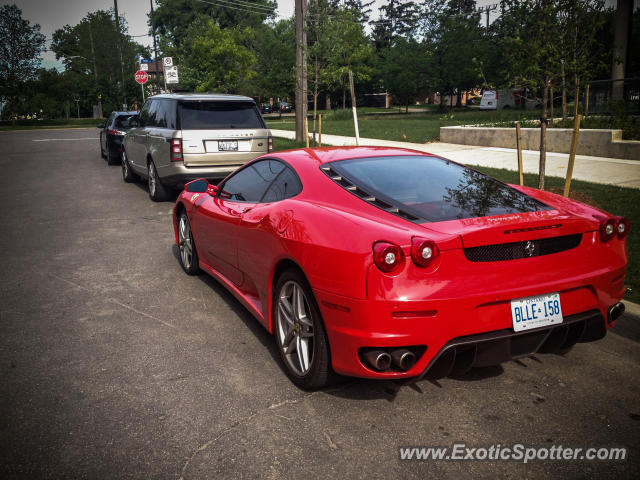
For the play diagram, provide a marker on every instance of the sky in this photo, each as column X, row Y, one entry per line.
column 54, row 14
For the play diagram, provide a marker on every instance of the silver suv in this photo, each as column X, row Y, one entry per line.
column 181, row 137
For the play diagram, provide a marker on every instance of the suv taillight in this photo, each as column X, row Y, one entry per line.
column 176, row 150
column 113, row 131
column 270, row 142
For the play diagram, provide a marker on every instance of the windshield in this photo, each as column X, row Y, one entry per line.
column 434, row 189
column 196, row 115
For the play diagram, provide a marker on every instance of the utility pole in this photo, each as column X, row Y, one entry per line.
column 155, row 47
column 486, row 9
column 301, row 69
column 621, row 49
column 119, row 41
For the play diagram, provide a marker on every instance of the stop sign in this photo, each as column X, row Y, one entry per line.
column 141, row 77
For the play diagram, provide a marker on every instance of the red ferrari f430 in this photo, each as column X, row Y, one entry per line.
column 395, row 264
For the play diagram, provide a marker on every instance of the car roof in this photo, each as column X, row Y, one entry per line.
column 132, row 112
column 205, row 96
column 323, row 155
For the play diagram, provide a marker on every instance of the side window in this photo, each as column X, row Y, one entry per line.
column 250, row 183
column 170, row 114
column 145, row 114
column 152, row 114
column 286, row 185
column 161, row 109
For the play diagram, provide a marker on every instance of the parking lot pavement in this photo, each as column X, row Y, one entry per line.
column 115, row 364
column 621, row 172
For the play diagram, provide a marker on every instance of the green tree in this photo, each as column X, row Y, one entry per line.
column 20, row 47
column 403, row 70
column 174, row 18
column 397, row 19
column 348, row 48
column 217, row 59
column 89, row 49
column 274, row 48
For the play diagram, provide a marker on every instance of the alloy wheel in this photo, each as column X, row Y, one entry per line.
column 295, row 328
column 185, row 242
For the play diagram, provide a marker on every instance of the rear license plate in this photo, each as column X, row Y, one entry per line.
column 534, row 312
column 227, row 145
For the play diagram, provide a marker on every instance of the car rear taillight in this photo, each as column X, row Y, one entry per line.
column 176, row 150
column 622, row 227
column 387, row 256
column 423, row 251
column 607, row 229
column 270, row 141
column 113, row 131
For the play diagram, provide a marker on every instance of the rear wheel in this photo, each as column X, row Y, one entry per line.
column 157, row 191
column 127, row 174
column 299, row 332
column 187, row 247
column 110, row 159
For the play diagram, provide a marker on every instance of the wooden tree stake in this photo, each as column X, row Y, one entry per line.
column 572, row 155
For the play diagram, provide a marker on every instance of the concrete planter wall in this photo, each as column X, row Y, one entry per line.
column 594, row 142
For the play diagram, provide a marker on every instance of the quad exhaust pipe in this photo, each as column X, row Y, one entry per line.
column 401, row 358
column 615, row 311
column 378, row 359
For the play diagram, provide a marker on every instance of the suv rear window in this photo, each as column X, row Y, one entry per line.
column 206, row 115
column 432, row 188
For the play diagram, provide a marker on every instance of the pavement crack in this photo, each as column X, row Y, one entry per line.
column 207, row 444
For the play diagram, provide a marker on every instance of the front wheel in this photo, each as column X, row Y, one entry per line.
column 299, row 332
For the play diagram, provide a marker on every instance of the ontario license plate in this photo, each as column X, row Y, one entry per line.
column 227, row 145
column 533, row 312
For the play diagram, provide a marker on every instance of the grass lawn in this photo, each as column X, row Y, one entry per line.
column 615, row 200
column 412, row 127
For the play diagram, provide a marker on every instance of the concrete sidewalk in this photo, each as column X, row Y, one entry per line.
column 620, row 172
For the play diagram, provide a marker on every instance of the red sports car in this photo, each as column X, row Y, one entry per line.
column 392, row 263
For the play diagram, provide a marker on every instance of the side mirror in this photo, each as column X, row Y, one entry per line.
column 198, row 186
column 101, row 125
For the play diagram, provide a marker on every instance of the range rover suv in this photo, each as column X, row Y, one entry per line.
column 180, row 137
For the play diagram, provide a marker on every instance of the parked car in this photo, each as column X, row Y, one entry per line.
column 265, row 108
column 180, row 137
column 285, row 107
column 111, row 135
column 395, row 264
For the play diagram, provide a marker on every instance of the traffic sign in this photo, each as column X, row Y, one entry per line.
column 141, row 77
column 144, row 67
column 146, row 60
column 171, row 74
column 167, row 61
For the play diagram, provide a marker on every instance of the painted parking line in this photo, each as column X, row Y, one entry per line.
column 63, row 139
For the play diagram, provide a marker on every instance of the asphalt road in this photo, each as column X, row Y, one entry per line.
column 115, row 364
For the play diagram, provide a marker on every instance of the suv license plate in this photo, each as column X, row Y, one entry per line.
column 227, row 145
column 534, row 312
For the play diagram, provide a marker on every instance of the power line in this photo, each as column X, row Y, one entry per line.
column 218, row 3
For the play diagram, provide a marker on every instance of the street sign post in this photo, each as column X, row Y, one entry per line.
column 142, row 77
column 171, row 74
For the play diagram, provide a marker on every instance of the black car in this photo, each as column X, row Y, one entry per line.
column 265, row 108
column 112, row 133
column 285, row 107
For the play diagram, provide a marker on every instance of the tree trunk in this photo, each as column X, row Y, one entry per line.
column 564, row 97
column 543, row 136
column 315, row 97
